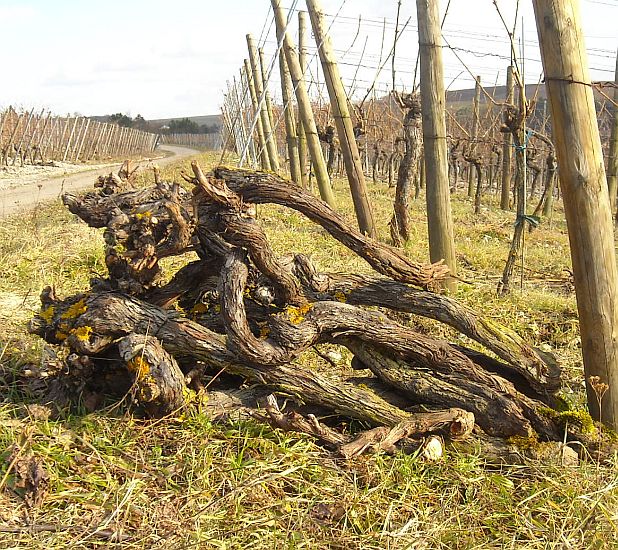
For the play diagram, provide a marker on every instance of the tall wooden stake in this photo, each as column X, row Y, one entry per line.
column 343, row 121
column 612, row 159
column 474, row 134
column 304, row 107
column 269, row 136
column 507, row 149
column 269, row 105
column 302, row 58
column 433, row 98
column 244, row 100
column 290, row 120
column 259, row 130
column 585, row 196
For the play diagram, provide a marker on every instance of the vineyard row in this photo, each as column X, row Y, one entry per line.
column 27, row 137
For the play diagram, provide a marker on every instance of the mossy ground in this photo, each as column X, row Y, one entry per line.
column 184, row 482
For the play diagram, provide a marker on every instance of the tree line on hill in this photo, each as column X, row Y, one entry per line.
column 174, row 126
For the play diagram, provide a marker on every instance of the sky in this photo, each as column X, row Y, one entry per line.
column 164, row 59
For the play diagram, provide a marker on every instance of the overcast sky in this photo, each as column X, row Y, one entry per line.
column 173, row 58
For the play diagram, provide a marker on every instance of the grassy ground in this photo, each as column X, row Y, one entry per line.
column 106, row 479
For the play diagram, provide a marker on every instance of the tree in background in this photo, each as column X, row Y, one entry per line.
column 121, row 119
column 183, row 126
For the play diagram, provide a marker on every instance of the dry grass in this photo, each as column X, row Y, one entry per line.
column 117, row 481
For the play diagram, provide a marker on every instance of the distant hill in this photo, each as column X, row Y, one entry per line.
column 201, row 120
column 497, row 92
column 155, row 125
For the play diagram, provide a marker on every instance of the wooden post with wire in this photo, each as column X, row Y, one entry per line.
column 507, row 152
column 433, row 99
column 269, row 105
column 612, row 158
column 242, row 96
column 474, row 135
column 259, row 130
column 343, row 121
column 260, row 91
column 290, row 120
column 302, row 139
column 304, row 107
column 586, row 199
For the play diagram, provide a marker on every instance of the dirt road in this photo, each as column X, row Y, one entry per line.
column 27, row 196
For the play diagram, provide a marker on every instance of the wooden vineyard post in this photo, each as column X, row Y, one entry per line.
column 585, row 195
column 304, row 107
column 109, row 130
column 290, row 120
column 260, row 92
column 269, row 105
column 433, row 98
column 237, row 100
column 230, row 136
column 58, row 147
column 3, row 117
column 243, row 99
column 115, row 141
column 83, row 139
column 507, row 146
column 78, row 139
column 66, row 151
column 612, row 158
column 22, row 137
column 343, row 121
column 48, row 139
column 232, row 117
column 302, row 58
column 92, row 143
column 31, row 140
column 474, row 135
column 12, row 136
column 246, row 139
column 259, row 129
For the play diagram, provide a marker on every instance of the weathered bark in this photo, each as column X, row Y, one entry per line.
column 109, row 316
column 538, row 368
column 547, row 200
column 141, row 228
column 252, row 314
column 471, row 156
column 158, row 382
column 433, row 95
column 514, row 121
column 453, row 423
column 532, row 371
column 260, row 188
column 498, row 408
column 408, row 168
column 441, row 375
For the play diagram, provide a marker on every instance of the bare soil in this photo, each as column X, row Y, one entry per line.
column 24, row 188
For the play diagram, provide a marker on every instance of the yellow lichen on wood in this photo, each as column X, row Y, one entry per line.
column 296, row 315
column 82, row 333
column 74, row 311
column 47, row 314
column 340, row 296
column 139, row 366
column 143, row 215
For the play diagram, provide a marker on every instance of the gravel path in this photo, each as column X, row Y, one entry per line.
column 23, row 197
